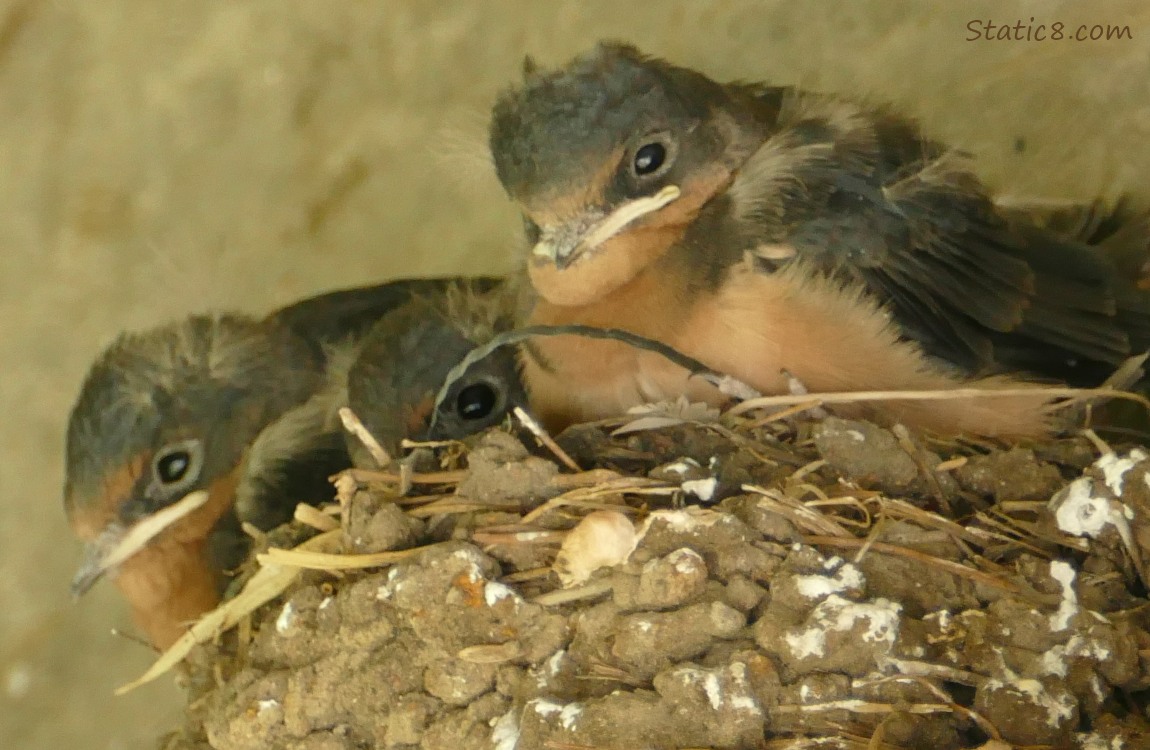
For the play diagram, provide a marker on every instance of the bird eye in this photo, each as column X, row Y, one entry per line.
column 476, row 401
column 649, row 158
column 177, row 463
column 172, row 467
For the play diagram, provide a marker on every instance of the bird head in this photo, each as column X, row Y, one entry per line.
column 392, row 385
column 156, row 444
column 610, row 157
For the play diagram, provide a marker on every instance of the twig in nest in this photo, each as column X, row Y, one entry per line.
column 854, row 705
column 345, row 489
column 407, row 443
column 311, row 516
column 534, row 574
column 949, row 566
column 909, row 669
column 490, row 653
column 268, row 582
column 952, row 463
column 581, row 497
column 566, row 596
column 802, row 471
column 1099, row 444
column 914, row 450
column 781, row 414
column 451, row 504
column 253, row 532
column 352, row 424
column 798, row 513
column 310, row 560
column 597, row 670
column 939, row 693
column 537, row 430
column 518, row 537
column 1069, row 396
column 366, row 476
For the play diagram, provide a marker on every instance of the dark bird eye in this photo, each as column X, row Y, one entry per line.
column 476, row 401
column 649, row 158
column 172, row 468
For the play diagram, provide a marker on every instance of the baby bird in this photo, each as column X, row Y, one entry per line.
column 778, row 235
column 404, row 360
column 182, row 432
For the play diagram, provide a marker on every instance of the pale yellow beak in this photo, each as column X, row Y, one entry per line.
column 118, row 543
column 565, row 243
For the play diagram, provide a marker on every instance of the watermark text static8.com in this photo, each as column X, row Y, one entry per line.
column 985, row 29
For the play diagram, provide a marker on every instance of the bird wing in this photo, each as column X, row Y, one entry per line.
column 863, row 197
column 349, row 313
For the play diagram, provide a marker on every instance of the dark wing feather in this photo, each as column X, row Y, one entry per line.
column 344, row 314
column 977, row 286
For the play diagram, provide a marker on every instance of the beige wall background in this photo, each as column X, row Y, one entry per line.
column 163, row 157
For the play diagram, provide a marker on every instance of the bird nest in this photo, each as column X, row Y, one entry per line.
column 681, row 581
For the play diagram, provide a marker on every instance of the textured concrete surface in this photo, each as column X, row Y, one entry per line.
column 163, row 157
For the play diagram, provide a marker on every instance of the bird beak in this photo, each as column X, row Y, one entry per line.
column 117, row 543
column 565, row 243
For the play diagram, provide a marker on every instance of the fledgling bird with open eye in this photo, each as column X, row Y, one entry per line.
column 402, row 363
column 775, row 235
column 182, row 432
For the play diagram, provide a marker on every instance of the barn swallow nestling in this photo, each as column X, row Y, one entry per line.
column 182, row 432
column 402, row 362
column 770, row 232
column 445, row 365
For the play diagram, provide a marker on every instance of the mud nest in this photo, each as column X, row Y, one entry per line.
column 701, row 584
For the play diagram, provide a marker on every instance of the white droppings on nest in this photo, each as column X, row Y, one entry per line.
column 1097, row 688
column 549, row 669
column 1068, row 607
column 704, row 489
column 495, row 592
column 390, row 587
column 1114, row 468
column 836, row 614
column 544, row 707
column 857, row 436
column 1095, row 741
column 847, row 578
column 1058, row 710
column 505, row 731
column 570, row 714
column 602, row 539
column 285, row 619
column 327, row 600
column 682, row 466
column 737, row 695
column 713, row 691
column 685, row 520
column 1078, row 511
column 742, row 700
column 474, row 574
column 684, row 560
column 268, row 704
column 943, row 616
column 470, row 555
column 531, row 536
column 1055, row 660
